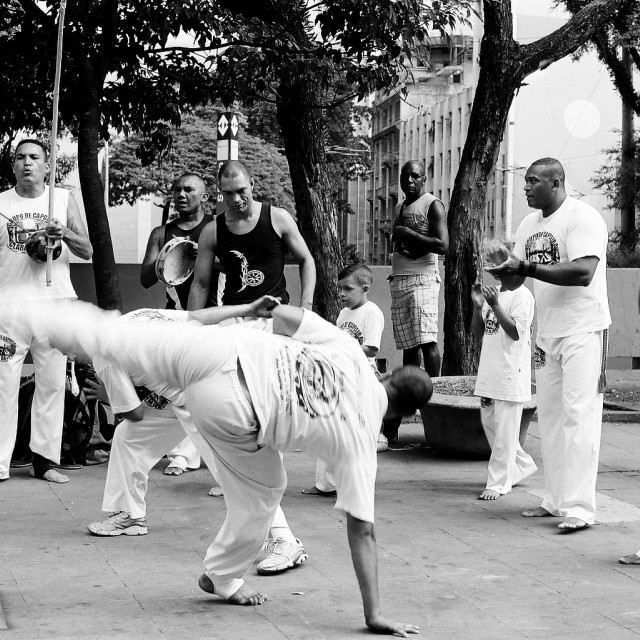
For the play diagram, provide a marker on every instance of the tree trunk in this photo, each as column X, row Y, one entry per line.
column 303, row 133
column 493, row 98
column 504, row 64
column 104, row 265
column 627, row 171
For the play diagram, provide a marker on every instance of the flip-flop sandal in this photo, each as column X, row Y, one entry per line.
column 314, row 491
column 19, row 464
column 66, row 463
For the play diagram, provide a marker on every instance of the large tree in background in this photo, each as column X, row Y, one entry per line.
column 504, row 65
column 193, row 148
column 618, row 46
column 108, row 82
column 307, row 59
column 122, row 70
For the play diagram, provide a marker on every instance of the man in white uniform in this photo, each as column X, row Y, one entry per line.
column 25, row 210
column 562, row 246
column 252, row 395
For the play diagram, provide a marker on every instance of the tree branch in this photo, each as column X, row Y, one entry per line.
column 568, row 38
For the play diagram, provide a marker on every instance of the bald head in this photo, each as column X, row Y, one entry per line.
column 233, row 169
column 551, row 168
column 544, row 185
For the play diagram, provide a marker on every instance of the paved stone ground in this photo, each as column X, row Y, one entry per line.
column 457, row 566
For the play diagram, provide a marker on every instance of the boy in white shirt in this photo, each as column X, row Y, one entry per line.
column 364, row 321
column 504, row 316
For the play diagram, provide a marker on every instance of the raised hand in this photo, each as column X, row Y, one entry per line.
column 490, row 294
column 476, row 294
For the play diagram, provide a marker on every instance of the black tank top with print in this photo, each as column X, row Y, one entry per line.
column 253, row 262
column 178, row 296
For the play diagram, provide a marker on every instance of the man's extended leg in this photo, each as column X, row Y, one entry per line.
column 252, row 477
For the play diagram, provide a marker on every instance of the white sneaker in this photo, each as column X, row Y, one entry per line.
column 119, row 524
column 281, row 555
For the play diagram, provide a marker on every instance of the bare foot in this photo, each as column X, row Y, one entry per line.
column 245, row 595
column 538, row 512
column 51, row 475
column 634, row 558
column 572, row 524
column 489, row 494
column 216, row 492
column 172, row 470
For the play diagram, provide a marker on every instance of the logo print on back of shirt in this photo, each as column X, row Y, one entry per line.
column 7, row 348
column 318, row 385
column 542, row 248
column 253, row 278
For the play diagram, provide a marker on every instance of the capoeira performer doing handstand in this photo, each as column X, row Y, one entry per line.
column 252, row 395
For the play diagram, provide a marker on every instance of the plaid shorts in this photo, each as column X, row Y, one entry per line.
column 414, row 309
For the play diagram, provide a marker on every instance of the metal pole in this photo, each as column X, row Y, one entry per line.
column 54, row 135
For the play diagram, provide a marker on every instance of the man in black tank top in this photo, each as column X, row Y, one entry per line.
column 249, row 241
column 189, row 195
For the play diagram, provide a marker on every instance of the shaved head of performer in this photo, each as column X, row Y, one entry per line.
column 252, row 395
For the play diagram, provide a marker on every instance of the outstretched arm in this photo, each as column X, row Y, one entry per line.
column 362, row 542
column 260, row 308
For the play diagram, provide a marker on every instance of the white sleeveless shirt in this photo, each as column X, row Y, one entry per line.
column 20, row 276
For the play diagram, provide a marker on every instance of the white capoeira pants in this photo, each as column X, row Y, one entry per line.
column 252, row 477
column 570, row 421
column 509, row 463
column 137, row 447
column 47, row 411
column 325, row 480
column 185, row 455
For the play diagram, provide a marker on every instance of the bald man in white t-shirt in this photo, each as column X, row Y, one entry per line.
column 563, row 246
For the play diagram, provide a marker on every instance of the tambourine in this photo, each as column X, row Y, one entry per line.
column 176, row 261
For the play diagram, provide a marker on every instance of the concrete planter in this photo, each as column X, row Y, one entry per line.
column 452, row 424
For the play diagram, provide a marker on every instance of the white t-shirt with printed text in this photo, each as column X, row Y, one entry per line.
column 504, row 370
column 575, row 230
column 365, row 324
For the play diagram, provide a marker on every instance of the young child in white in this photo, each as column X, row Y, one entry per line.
column 364, row 321
column 504, row 316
